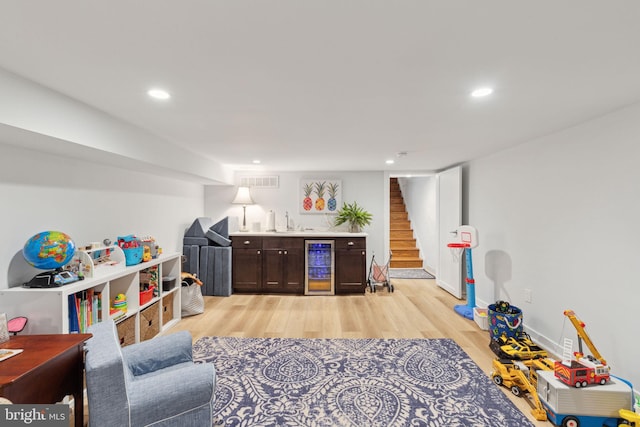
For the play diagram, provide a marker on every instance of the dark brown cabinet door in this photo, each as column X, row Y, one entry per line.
column 294, row 271
column 351, row 265
column 283, row 265
column 247, row 264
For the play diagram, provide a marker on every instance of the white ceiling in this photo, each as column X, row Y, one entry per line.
column 334, row 84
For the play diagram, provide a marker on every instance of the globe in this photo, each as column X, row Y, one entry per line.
column 49, row 250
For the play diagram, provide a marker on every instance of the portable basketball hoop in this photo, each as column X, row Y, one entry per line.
column 457, row 249
column 467, row 239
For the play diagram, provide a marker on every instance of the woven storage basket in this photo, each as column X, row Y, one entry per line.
column 127, row 331
column 149, row 322
column 167, row 308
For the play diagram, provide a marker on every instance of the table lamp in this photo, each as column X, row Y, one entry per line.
column 243, row 197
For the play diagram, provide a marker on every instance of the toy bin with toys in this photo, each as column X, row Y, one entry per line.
column 481, row 317
column 132, row 248
column 504, row 320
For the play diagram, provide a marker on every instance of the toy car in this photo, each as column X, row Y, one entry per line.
column 520, row 348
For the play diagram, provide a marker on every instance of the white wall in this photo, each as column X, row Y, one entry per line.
column 366, row 188
column 419, row 195
column 87, row 201
column 558, row 216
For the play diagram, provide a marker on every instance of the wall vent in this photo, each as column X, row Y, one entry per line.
column 260, row 181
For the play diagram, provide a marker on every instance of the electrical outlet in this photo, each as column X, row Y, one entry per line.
column 527, row 295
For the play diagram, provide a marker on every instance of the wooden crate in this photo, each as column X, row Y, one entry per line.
column 167, row 308
column 127, row 331
column 149, row 322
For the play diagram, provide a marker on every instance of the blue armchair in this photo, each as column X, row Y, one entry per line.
column 151, row 383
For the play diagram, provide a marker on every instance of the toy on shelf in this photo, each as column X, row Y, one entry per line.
column 97, row 260
column 52, row 251
column 585, row 369
column 119, row 307
column 466, row 239
column 132, row 248
column 151, row 249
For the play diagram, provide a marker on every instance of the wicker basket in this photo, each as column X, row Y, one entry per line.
column 127, row 331
column 149, row 322
column 167, row 308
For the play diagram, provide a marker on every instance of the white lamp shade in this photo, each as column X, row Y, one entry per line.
column 243, row 197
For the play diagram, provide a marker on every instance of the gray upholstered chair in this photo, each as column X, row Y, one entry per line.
column 151, row 383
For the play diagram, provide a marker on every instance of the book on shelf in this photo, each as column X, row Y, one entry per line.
column 85, row 309
column 116, row 314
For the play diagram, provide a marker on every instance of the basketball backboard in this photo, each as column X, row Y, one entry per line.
column 465, row 234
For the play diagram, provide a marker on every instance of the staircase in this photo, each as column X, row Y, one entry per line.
column 402, row 243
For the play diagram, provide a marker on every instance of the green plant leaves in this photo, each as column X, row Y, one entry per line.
column 353, row 214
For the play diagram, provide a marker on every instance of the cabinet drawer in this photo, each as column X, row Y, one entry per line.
column 248, row 242
column 283, row 243
column 355, row 243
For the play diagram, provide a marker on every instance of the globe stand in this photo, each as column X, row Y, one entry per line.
column 52, row 279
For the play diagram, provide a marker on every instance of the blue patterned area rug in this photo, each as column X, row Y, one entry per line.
column 352, row 382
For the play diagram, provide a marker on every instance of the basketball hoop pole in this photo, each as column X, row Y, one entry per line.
column 466, row 310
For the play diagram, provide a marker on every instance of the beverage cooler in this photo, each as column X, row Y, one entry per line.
column 319, row 262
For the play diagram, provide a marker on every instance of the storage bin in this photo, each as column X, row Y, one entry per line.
column 146, row 296
column 127, row 331
column 133, row 256
column 167, row 308
column 168, row 283
column 149, row 322
column 508, row 323
column 481, row 317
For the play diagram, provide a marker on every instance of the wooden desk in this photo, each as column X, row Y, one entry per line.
column 49, row 368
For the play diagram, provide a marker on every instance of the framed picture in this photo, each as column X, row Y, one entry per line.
column 320, row 195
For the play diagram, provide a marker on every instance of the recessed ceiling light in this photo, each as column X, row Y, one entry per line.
column 389, row 162
column 480, row 92
column 256, row 162
column 158, row 94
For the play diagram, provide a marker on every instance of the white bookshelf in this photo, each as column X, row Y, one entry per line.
column 48, row 308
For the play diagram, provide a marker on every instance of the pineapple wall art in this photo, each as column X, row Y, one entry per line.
column 320, row 196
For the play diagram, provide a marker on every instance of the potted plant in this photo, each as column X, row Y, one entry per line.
column 354, row 215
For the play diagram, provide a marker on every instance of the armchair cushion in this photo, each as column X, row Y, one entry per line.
column 158, row 396
column 158, row 353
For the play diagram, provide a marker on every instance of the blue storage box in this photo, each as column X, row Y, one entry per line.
column 133, row 256
column 509, row 323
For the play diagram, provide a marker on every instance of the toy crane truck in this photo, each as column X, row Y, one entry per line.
column 568, row 406
column 586, row 369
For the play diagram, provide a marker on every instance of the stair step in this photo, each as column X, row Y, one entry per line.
column 402, row 243
column 399, row 215
column 402, row 233
column 405, row 263
column 400, row 224
column 397, row 208
column 406, row 253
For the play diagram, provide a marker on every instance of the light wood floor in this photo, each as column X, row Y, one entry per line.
column 417, row 309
